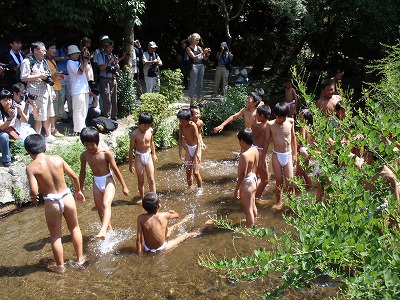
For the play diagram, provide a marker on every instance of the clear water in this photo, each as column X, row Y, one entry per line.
column 114, row 271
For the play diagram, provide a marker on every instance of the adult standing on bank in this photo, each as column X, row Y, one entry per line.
column 151, row 66
column 197, row 56
column 224, row 57
column 109, row 67
column 77, row 67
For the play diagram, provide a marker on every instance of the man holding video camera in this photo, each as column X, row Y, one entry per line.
column 35, row 71
column 224, row 58
column 109, row 67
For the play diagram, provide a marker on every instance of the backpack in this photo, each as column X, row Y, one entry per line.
column 104, row 125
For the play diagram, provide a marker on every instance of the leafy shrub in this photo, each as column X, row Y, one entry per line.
column 71, row 155
column 164, row 121
column 122, row 149
column 126, row 94
column 214, row 113
column 171, row 85
column 347, row 237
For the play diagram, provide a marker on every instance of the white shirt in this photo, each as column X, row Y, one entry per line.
column 79, row 83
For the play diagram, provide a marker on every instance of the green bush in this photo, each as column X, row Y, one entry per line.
column 164, row 121
column 126, row 94
column 122, row 149
column 71, row 155
column 346, row 237
column 171, row 85
column 214, row 113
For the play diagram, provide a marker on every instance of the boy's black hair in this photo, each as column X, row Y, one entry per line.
column 184, row 114
column 49, row 43
column 35, row 144
column 256, row 97
column 16, row 88
column 4, row 94
column 264, row 110
column 339, row 71
column 145, row 118
column 14, row 38
column 246, row 135
column 90, row 135
column 281, row 109
column 327, row 82
column 308, row 116
column 150, row 202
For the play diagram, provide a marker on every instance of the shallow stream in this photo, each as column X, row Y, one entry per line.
column 114, row 271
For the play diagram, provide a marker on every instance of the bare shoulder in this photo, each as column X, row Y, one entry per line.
column 290, row 120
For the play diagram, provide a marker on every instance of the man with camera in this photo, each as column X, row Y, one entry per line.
column 35, row 71
column 224, row 58
column 76, row 66
column 109, row 67
column 151, row 64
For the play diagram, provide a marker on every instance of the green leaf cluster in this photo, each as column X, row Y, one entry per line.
column 350, row 237
column 126, row 94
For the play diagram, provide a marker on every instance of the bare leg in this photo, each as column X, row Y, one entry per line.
column 189, row 169
column 150, row 175
column 37, row 125
column 196, row 173
column 140, row 175
column 262, row 172
column 47, row 127
column 278, row 178
column 53, row 220
column 103, row 205
column 170, row 229
column 247, row 198
column 71, row 217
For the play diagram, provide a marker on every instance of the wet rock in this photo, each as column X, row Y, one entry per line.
column 14, row 184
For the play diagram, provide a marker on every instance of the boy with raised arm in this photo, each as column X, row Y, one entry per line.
column 259, row 129
column 249, row 113
column 142, row 138
column 46, row 173
column 101, row 161
column 246, row 184
column 284, row 154
column 189, row 133
column 152, row 230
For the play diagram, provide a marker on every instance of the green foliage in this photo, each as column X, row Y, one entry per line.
column 164, row 121
column 122, row 149
column 71, row 155
column 214, row 113
column 171, row 85
column 126, row 93
column 347, row 237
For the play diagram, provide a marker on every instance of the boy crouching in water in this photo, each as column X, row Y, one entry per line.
column 189, row 133
column 101, row 161
column 284, row 154
column 46, row 173
column 145, row 154
column 246, row 185
column 152, row 230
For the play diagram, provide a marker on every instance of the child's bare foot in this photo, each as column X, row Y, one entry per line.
column 278, row 207
column 101, row 235
column 56, row 268
column 199, row 192
column 199, row 231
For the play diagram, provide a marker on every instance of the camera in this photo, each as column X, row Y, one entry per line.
column 153, row 70
column 85, row 55
column 112, row 68
column 49, row 80
column 28, row 96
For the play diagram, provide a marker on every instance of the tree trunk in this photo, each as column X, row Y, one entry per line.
column 129, row 38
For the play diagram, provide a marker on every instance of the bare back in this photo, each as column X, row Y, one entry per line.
column 49, row 173
column 248, row 161
column 154, row 228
